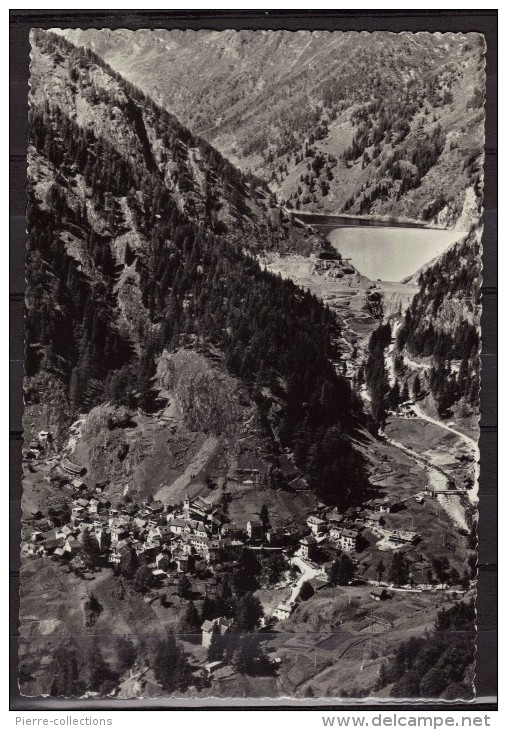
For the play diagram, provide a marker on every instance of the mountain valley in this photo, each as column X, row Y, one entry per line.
column 227, row 424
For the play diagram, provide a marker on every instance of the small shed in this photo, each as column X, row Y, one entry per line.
column 379, row 594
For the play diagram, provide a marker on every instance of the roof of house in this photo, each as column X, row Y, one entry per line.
column 404, row 534
column 254, row 523
column 220, row 623
column 334, row 516
column 213, row 665
column 178, row 522
column 70, row 466
column 308, row 540
column 285, row 607
column 378, row 592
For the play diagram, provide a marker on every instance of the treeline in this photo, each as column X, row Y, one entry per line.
column 196, row 283
column 442, row 323
column 440, row 665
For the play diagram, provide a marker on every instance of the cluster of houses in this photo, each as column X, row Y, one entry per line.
column 161, row 536
column 39, row 445
column 158, row 534
column 340, row 530
column 344, row 530
column 168, row 537
column 176, row 536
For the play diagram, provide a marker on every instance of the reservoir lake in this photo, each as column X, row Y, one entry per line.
column 391, row 254
column 387, row 251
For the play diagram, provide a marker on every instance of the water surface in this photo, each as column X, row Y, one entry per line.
column 390, row 253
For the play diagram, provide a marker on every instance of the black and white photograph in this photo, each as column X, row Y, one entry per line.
column 252, row 366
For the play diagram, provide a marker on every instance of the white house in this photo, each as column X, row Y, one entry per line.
column 77, row 512
column 93, row 506
column 177, row 526
column 218, row 626
column 345, row 538
column 316, row 525
column 283, row 611
column 308, row 546
column 254, row 529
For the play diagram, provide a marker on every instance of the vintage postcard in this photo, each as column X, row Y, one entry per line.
column 252, row 365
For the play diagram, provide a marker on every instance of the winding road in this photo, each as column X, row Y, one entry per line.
column 436, row 474
column 467, row 439
column 307, row 573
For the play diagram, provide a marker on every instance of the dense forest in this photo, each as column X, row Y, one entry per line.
column 442, row 323
column 195, row 277
column 439, row 665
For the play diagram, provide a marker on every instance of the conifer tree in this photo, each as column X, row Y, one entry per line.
column 191, row 622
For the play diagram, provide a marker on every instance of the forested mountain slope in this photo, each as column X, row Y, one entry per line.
column 140, row 240
column 381, row 123
column 442, row 322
